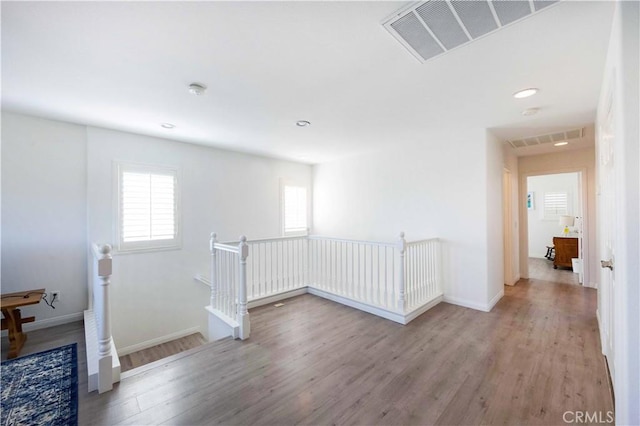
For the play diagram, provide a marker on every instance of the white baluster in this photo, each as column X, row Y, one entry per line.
column 243, row 313
column 423, row 272
column 386, row 278
column 378, row 298
column 437, row 266
column 262, row 289
column 353, row 271
column 212, row 270
column 402, row 246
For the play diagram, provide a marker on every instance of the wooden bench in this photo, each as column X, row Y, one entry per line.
column 13, row 320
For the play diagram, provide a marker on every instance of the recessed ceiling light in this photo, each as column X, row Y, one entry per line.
column 531, row 111
column 197, row 89
column 168, row 125
column 303, row 123
column 563, row 143
column 525, row 93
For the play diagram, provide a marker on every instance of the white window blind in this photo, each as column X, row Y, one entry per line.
column 147, row 208
column 294, row 209
column 555, row 205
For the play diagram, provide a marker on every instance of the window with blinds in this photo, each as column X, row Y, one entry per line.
column 294, row 209
column 556, row 204
column 147, row 208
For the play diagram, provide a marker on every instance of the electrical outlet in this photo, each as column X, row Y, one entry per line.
column 55, row 296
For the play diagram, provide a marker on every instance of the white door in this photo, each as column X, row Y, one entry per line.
column 606, row 217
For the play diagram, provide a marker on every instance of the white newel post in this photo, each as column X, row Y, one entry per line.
column 402, row 247
column 212, row 271
column 105, row 362
column 243, row 313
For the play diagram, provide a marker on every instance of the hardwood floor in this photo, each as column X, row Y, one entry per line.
column 535, row 356
column 164, row 350
column 542, row 269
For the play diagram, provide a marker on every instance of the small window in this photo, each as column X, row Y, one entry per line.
column 294, row 209
column 555, row 205
column 147, row 207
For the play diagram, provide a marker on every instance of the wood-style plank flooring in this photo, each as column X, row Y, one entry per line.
column 542, row 270
column 312, row 361
column 157, row 352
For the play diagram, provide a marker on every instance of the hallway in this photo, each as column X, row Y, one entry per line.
column 542, row 270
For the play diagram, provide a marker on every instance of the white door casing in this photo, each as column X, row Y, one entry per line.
column 508, row 228
column 606, row 217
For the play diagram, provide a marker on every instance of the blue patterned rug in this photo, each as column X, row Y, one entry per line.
column 41, row 389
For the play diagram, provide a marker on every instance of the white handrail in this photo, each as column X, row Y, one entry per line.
column 226, row 247
column 416, row 242
column 269, row 240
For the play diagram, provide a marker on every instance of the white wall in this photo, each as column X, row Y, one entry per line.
column 541, row 230
column 434, row 189
column 495, row 219
column 44, row 237
column 57, row 184
column 563, row 162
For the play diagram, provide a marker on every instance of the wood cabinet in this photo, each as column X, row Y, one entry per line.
column 566, row 248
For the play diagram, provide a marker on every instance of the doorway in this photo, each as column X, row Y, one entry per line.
column 554, row 227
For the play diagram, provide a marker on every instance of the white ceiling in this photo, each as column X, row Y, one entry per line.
column 127, row 65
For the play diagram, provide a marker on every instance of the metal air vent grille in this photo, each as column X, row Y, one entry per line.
column 545, row 139
column 430, row 28
column 509, row 11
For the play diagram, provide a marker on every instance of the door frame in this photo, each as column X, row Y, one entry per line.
column 586, row 220
column 507, row 218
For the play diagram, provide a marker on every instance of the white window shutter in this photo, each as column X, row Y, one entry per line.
column 147, row 208
column 556, row 204
column 295, row 209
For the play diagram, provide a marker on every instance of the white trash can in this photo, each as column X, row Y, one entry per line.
column 576, row 265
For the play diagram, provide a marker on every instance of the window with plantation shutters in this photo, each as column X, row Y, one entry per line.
column 147, row 208
column 294, row 209
column 556, row 204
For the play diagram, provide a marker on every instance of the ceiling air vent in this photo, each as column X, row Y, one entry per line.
column 545, row 139
column 429, row 29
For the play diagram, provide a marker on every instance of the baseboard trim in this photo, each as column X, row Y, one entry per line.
column 50, row 322
column 514, row 280
column 375, row 310
column 486, row 307
column 157, row 341
column 604, row 342
column 422, row 309
column 261, row 301
column 495, row 300
column 393, row 316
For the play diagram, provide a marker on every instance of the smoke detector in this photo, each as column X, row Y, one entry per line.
column 530, row 111
column 197, row 89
